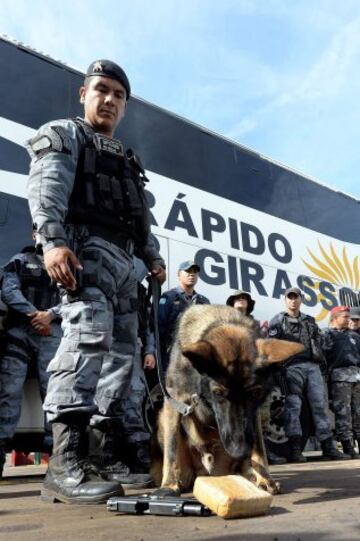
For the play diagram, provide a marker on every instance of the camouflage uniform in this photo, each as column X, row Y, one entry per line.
column 26, row 288
column 302, row 373
column 92, row 368
column 86, row 194
column 344, row 367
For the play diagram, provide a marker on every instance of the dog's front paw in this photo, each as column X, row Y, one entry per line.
column 264, row 481
column 270, row 485
column 166, row 492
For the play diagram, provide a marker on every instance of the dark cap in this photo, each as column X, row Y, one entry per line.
column 294, row 290
column 186, row 265
column 240, row 293
column 338, row 310
column 354, row 312
column 106, row 68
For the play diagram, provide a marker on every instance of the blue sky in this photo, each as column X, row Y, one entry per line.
column 279, row 76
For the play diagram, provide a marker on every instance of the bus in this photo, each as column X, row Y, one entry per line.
column 249, row 222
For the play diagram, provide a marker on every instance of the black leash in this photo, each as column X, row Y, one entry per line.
column 181, row 407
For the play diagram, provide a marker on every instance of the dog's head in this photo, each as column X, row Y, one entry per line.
column 236, row 376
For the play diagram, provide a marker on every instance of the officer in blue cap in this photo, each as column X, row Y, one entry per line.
column 174, row 302
column 86, row 196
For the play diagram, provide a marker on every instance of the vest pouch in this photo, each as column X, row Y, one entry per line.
column 132, row 188
column 117, row 196
column 103, row 186
column 91, row 261
column 138, row 211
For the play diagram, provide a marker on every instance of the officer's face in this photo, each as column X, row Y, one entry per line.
column 104, row 102
column 342, row 320
column 188, row 277
column 241, row 303
column 354, row 324
column 293, row 302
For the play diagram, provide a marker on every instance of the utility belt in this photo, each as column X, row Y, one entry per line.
column 122, row 241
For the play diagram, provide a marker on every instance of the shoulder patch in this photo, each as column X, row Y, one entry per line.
column 273, row 332
column 162, row 300
column 52, row 139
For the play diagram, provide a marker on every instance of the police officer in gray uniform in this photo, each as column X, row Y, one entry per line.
column 344, row 371
column 87, row 199
column 33, row 336
column 303, row 376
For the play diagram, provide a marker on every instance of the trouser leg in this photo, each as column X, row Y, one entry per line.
column 106, row 434
column 13, row 370
column 341, row 393
column 317, row 398
column 295, row 382
column 47, row 347
column 355, row 408
column 75, row 370
column 137, row 436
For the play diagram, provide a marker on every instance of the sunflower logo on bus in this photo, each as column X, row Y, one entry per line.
column 336, row 269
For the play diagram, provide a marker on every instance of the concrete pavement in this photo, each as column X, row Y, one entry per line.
column 320, row 501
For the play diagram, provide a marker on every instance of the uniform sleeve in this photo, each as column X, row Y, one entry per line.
column 11, row 292
column 55, row 312
column 149, row 253
column 54, row 151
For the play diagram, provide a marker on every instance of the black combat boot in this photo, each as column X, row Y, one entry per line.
column 137, row 457
column 296, row 450
column 2, row 456
column 70, row 478
column 273, row 459
column 104, row 455
column 330, row 451
column 348, row 448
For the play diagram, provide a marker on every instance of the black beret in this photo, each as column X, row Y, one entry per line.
column 106, row 68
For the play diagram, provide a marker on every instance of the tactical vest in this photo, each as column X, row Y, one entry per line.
column 345, row 351
column 35, row 286
column 298, row 330
column 108, row 191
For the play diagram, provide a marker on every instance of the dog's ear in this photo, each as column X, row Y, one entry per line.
column 202, row 356
column 274, row 351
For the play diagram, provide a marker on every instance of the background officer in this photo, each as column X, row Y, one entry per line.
column 303, row 376
column 354, row 322
column 174, row 302
column 33, row 336
column 87, row 199
column 242, row 301
column 344, row 369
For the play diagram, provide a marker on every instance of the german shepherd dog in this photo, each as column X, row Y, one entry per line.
column 222, row 369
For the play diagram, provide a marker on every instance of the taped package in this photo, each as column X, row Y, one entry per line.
column 232, row 496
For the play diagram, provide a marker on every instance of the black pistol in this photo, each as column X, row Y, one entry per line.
column 155, row 505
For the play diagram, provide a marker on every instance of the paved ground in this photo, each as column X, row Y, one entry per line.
column 321, row 501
